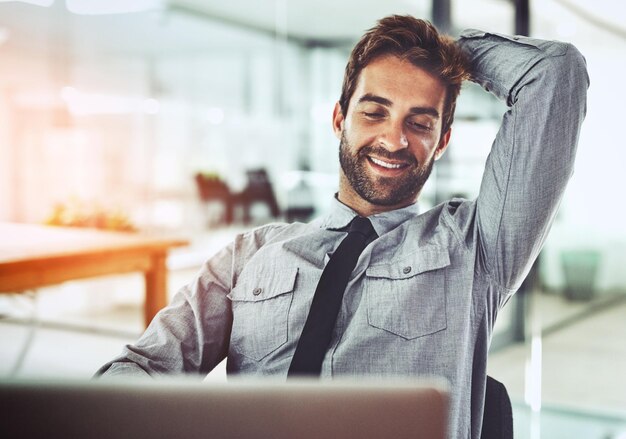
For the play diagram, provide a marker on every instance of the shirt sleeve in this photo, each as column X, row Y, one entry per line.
column 191, row 335
column 544, row 83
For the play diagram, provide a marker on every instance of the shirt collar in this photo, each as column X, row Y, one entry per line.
column 340, row 216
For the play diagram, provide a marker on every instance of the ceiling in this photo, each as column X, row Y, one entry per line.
column 306, row 20
column 189, row 25
column 179, row 26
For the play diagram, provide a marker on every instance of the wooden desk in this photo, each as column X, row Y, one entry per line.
column 33, row 256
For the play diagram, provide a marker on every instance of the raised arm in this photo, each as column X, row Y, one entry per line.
column 545, row 84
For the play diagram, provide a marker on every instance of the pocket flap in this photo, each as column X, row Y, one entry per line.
column 426, row 259
column 262, row 284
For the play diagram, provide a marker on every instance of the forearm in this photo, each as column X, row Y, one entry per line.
column 532, row 157
column 500, row 63
column 122, row 368
column 189, row 336
column 177, row 342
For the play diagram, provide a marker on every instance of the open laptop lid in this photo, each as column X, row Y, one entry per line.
column 237, row 409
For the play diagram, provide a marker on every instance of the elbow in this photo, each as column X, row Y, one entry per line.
column 571, row 68
column 576, row 66
column 578, row 76
column 568, row 78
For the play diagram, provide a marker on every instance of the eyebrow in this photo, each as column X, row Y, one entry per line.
column 368, row 97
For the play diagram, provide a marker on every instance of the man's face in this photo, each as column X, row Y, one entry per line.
column 391, row 135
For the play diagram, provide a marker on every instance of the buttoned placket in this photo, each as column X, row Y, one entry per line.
column 354, row 290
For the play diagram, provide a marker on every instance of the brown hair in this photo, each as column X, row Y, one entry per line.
column 416, row 41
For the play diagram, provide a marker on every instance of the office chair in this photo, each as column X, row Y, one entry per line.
column 258, row 189
column 212, row 188
column 498, row 414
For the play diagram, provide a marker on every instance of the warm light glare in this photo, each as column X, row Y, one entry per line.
column 68, row 93
column 4, row 35
column 37, row 99
column 81, row 104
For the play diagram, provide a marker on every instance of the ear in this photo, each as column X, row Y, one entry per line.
column 443, row 144
column 338, row 120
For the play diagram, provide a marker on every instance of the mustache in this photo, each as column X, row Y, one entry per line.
column 402, row 155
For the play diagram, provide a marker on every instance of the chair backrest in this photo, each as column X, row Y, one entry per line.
column 258, row 189
column 498, row 413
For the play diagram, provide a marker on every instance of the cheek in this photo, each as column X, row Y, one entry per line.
column 357, row 138
column 424, row 147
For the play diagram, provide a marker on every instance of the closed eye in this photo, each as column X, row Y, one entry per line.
column 419, row 126
column 373, row 115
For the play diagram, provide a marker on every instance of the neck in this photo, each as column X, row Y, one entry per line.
column 348, row 196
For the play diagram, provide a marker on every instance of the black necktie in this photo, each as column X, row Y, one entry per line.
column 315, row 337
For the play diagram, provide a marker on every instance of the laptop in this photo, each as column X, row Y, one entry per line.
column 238, row 409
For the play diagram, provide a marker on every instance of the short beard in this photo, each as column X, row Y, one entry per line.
column 382, row 191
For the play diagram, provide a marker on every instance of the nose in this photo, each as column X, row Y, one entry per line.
column 393, row 137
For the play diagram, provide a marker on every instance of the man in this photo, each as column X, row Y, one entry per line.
column 424, row 293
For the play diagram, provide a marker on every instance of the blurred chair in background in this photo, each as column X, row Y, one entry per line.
column 300, row 206
column 259, row 189
column 212, row 188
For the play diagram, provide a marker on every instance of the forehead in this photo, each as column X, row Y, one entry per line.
column 401, row 82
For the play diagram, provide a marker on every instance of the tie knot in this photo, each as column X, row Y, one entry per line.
column 362, row 225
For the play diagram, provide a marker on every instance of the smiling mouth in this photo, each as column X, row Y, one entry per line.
column 387, row 165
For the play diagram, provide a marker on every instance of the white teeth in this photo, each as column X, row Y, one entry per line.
column 385, row 164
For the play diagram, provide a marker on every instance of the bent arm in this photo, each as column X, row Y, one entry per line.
column 191, row 335
column 544, row 83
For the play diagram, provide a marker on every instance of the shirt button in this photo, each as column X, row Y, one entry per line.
column 406, row 270
column 257, row 291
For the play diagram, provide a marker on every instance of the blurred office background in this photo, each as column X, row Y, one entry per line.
column 200, row 119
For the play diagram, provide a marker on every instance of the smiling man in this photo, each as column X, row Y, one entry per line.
column 390, row 135
column 377, row 287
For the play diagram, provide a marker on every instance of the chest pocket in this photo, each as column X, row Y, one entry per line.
column 260, row 304
column 407, row 297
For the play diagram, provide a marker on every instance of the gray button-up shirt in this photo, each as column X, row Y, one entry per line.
column 424, row 296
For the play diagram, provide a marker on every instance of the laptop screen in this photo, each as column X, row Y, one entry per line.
column 237, row 409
